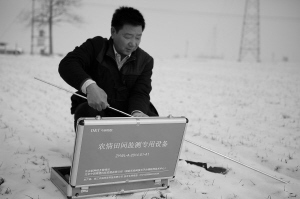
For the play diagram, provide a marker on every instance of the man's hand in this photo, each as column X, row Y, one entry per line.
column 96, row 97
column 139, row 114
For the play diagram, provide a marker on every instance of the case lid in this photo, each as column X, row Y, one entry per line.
column 118, row 150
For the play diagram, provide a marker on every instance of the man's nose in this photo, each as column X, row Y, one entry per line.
column 133, row 43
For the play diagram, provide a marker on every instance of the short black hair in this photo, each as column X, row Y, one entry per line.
column 127, row 15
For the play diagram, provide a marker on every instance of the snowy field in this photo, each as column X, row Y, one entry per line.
column 248, row 112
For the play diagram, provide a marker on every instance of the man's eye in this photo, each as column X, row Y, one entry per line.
column 127, row 37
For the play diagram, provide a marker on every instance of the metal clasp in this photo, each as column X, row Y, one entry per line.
column 84, row 189
column 138, row 122
column 157, row 182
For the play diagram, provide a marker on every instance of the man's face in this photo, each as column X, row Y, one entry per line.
column 127, row 39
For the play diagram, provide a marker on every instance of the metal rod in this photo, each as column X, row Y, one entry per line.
column 120, row 111
column 80, row 96
column 185, row 139
column 236, row 161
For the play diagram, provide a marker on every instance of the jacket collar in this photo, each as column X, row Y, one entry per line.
column 111, row 53
column 108, row 50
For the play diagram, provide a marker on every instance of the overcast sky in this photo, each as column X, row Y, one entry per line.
column 174, row 28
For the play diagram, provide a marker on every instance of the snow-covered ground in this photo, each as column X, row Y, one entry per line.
column 248, row 112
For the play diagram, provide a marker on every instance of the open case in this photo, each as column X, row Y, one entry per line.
column 121, row 155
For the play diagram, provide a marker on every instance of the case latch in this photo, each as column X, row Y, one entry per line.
column 84, row 189
column 138, row 122
column 157, row 182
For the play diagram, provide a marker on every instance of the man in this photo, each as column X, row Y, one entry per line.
column 112, row 72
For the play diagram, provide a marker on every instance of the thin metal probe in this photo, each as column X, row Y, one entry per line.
column 185, row 139
column 236, row 161
column 80, row 95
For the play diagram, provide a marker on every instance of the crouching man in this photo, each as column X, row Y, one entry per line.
column 112, row 72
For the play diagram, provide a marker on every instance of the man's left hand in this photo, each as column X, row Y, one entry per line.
column 139, row 114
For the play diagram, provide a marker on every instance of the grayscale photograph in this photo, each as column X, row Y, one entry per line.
column 150, row 99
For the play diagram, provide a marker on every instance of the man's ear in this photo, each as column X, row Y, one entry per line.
column 113, row 31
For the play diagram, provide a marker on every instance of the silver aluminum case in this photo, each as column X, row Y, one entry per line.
column 74, row 188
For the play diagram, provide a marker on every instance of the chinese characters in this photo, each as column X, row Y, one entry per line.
column 132, row 145
column 107, row 173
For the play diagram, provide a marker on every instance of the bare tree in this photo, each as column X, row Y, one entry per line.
column 52, row 12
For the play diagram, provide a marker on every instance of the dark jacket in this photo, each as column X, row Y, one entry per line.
column 127, row 90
